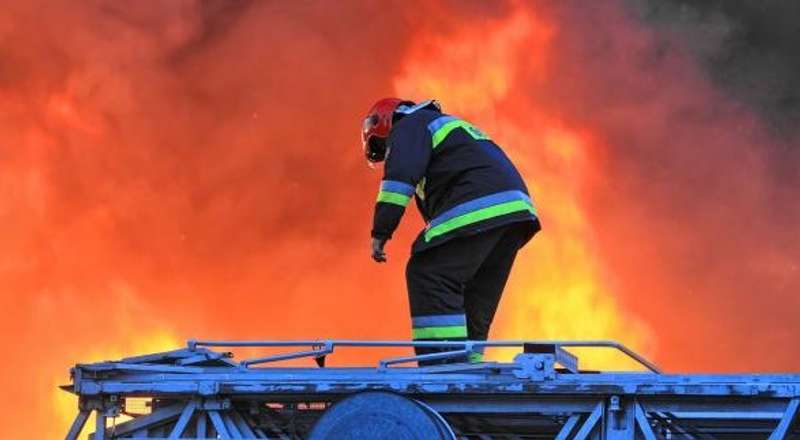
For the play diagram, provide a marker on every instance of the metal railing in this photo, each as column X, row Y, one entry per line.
column 321, row 348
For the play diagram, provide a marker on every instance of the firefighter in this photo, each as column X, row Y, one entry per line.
column 476, row 205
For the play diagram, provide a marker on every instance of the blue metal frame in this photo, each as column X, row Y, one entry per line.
column 200, row 393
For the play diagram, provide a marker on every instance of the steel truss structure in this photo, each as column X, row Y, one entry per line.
column 199, row 393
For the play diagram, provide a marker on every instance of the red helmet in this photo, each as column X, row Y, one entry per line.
column 376, row 128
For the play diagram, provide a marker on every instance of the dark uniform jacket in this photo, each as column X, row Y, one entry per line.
column 463, row 183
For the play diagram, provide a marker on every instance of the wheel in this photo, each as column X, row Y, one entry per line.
column 380, row 416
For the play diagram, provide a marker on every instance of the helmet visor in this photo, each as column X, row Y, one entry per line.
column 374, row 145
column 375, row 149
column 369, row 123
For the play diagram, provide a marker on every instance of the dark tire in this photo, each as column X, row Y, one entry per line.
column 380, row 416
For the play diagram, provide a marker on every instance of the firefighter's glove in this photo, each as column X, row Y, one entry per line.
column 377, row 250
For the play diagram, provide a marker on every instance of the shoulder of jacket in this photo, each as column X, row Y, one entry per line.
column 420, row 118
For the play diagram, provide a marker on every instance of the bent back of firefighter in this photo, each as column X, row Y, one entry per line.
column 477, row 209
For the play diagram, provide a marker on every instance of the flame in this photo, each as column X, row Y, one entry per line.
column 198, row 175
column 556, row 291
column 63, row 405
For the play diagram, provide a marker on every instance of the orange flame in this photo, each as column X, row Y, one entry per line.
column 556, row 291
column 192, row 170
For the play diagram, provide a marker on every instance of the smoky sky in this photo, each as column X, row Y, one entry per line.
column 748, row 47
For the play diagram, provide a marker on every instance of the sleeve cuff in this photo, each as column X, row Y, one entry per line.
column 381, row 236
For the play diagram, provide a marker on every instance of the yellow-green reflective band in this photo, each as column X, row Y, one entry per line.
column 445, row 129
column 479, row 215
column 393, row 198
column 443, row 332
column 475, row 357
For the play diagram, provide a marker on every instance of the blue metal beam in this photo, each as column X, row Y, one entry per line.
column 288, row 356
column 219, row 425
column 100, row 425
column 158, row 416
column 77, row 425
column 491, row 399
column 455, row 354
column 242, row 425
column 200, row 428
column 183, row 420
column 590, row 422
column 644, row 425
column 570, row 424
column 788, row 419
column 232, row 429
column 209, row 381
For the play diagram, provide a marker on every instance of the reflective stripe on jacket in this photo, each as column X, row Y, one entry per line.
column 463, row 183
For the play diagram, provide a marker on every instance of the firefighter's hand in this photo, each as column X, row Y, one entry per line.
column 377, row 250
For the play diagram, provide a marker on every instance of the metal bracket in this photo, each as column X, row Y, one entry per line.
column 562, row 357
column 538, row 361
column 215, row 404
column 108, row 404
column 535, row 366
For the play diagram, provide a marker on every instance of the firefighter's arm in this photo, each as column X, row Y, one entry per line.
column 409, row 154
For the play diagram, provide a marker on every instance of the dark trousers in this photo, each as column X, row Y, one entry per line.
column 454, row 288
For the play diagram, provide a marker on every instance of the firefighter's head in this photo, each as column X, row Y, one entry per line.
column 379, row 122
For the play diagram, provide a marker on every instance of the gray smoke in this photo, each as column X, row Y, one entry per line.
column 748, row 47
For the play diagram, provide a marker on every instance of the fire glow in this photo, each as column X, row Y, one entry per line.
column 197, row 174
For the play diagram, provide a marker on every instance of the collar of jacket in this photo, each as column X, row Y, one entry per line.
column 407, row 110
